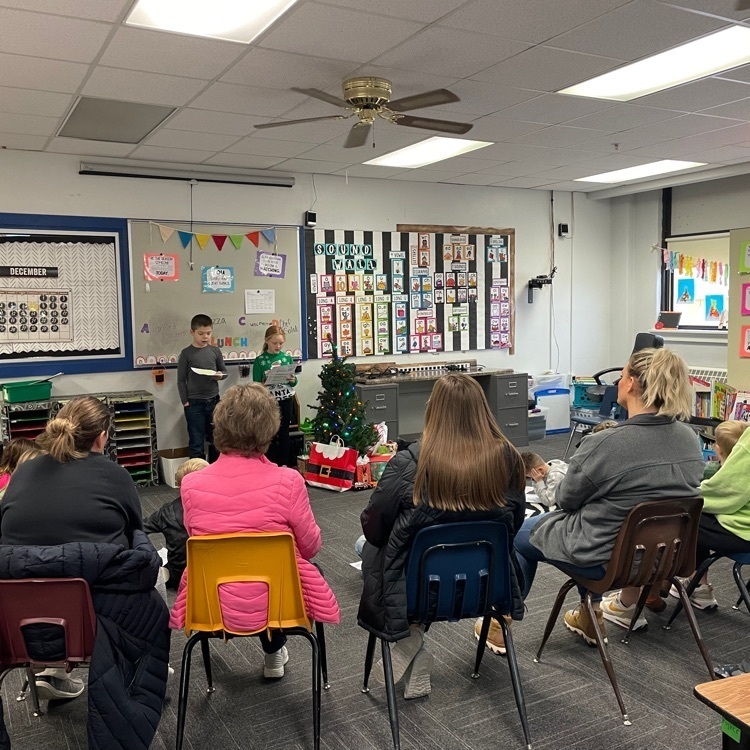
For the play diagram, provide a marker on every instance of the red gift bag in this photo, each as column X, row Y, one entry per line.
column 332, row 466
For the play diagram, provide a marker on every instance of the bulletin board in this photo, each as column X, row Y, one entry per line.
column 244, row 277
column 386, row 293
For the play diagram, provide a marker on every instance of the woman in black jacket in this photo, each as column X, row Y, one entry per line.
column 463, row 469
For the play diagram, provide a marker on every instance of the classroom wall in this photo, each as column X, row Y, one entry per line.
column 50, row 184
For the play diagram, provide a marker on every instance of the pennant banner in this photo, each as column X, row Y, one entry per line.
column 203, row 240
column 165, row 232
column 219, row 240
column 185, row 238
column 253, row 237
column 269, row 234
column 236, row 240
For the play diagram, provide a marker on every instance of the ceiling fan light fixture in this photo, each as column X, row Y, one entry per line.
column 427, row 152
column 220, row 19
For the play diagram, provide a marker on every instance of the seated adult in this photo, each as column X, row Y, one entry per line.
column 242, row 491
column 75, row 513
column 463, row 469
column 650, row 456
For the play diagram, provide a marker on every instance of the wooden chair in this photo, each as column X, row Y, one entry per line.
column 656, row 543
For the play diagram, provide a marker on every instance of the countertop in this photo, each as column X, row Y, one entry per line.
column 416, row 377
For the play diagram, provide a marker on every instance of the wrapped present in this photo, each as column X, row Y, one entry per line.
column 363, row 477
column 331, row 466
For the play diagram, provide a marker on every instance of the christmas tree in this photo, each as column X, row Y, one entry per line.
column 340, row 412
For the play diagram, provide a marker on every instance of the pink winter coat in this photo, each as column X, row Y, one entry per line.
column 237, row 494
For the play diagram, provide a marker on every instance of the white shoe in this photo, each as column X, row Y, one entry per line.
column 55, row 688
column 701, row 598
column 417, row 678
column 273, row 667
column 613, row 610
column 403, row 653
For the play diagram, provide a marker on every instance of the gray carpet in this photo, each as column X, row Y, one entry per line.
column 570, row 702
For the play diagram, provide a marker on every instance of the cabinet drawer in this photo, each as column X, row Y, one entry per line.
column 513, row 422
column 510, row 391
column 380, row 400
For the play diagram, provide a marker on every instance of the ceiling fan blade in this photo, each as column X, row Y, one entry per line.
column 425, row 99
column 443, row 126
column 357, row 135
column 322, row 95
column 295, row 122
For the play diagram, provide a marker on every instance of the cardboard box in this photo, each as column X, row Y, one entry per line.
column 169, row 460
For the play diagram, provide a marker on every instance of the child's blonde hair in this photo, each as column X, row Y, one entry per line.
column 605, row 425
column 727, row 434
column 187, row 467
column 16, row 452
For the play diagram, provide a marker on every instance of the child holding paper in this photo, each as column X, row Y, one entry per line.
column 270, row 358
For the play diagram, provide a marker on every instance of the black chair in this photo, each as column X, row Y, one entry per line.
column 586, row 422
column 456, row 571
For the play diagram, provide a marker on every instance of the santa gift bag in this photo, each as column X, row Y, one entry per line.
column 331, row 466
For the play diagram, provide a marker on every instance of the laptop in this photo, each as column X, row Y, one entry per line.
column 668, row 319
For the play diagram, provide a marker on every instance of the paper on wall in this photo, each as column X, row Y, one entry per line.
column 260, row 301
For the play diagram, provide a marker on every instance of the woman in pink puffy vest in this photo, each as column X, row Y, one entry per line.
column 243, row 491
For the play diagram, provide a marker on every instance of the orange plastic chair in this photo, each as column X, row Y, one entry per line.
column 269, row 558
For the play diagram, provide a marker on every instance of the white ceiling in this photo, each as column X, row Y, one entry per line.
column 504, row 58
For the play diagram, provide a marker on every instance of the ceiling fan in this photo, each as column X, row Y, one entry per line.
column 369, row 98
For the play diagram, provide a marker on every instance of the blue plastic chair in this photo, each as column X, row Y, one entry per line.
column 456, row 571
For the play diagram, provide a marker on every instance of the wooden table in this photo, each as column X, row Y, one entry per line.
column 729, row 697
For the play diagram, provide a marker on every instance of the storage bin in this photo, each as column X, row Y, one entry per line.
column 170, row 460
column 538, row 423
column 581, row 399
column 557, row 400
column 26, row 390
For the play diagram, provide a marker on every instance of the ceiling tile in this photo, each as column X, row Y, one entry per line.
column 523, row 182
column 24, row 101
column 553, row 108
column 335, row 152
column 54, row 37
column 722, row 8
column 419, row 175
column 739, row 109
column 698, row 95
column 259, row 146
column 171, row 54
column 415, row 10
column 482, row 99
column 463, row 164
column 308, row 166
column 472, row 179
column 495, row 128
column 136, row 86
column 530, row 20
column 407, row 82
column 547, row 69
column 24, row 72
column 206, row 121
column 741, row 74
column 22, row 142
column 101, row 10
column 29, row 124
column 568, row 186
column 622, row 117
column 558, row 136
column 185, row 139
column 248, row 100
column 512, row 169
column 452, row 53
column 558, row 157
column 636, row 30
column 370, row 171
column 503, row 152
column 340, row 33
column 159, row 153
column 247, row 161
column 723, row 154
column 695, row 143
column 88, row 148
column 569, row 172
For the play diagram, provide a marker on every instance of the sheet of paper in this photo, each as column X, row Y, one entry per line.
column 357, row 565
column 201, row 371
column 260, row 301
column 280, row 374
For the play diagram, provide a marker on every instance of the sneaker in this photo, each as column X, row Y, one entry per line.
column 701, row 598
column 56, row 688
column 403, row 653
column 577, row 621
column 417, row 676
column 495, row 640
column 615, row 611
column 273, row 667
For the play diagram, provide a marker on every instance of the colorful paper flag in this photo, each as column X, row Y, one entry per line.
column 253, row 237
column 202, row 240
column 236, row 240
column 269, row 234
column 185, row 238
column 165, row 232
column 219, row 240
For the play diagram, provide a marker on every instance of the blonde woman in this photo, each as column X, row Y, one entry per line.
column 463, row 469
column 650, row 456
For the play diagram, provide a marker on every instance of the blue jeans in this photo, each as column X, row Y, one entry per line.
column 528, row 557
column 199, row 415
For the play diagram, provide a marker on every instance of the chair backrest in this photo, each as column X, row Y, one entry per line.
column 61, row 602
column 657, row 540
column 646, row 341
column 608, row 401
column 268, row 558
column 458, row 570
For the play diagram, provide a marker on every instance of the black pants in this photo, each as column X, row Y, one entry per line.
column 274, row 643
column 278, row 451
column 713, row 537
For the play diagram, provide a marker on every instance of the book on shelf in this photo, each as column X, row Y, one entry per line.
column 742, row 406
column 722, row 400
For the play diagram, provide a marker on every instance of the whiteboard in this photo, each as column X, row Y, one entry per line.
column 227, row 284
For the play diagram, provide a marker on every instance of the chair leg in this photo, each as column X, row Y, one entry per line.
column 742, row 586
column 570, row 440
column 702, row 568
column 515, row 678
column 206, row 651
column 606, row 660
column 694, row 627
column 390, row 692
column 321, row 636
column 185, row 686
column 645, row 591
column 486, row 622
column 29, row 684
column 316, row 686
column 371, row 641
column 567, row 586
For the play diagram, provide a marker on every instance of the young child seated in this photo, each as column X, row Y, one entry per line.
column 726, row 434
column 545, row 476
column 15, row 453
column 168, row 520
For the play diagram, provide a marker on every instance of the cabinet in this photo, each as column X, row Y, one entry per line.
column 508, row 399
column 132, row 436
column 382, row 405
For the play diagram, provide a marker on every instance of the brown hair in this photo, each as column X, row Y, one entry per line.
column 14, row 453
column 187, row 467
column 272, row 331
column 246, row 420
column 465, row 461
column 200, row 321
column 531, row 460
column 663, row 381
column 73, row 431
column 607, row 424
column 728, row 433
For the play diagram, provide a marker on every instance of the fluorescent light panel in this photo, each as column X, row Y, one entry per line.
column 697, row 59
column 427, row 152
column 644, row 170
column 233, row 20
